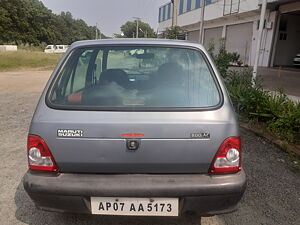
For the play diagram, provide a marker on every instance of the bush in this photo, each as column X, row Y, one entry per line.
column 280, row 114
column 248, row 100
column 223, row 59
column 275, row 111
column 285, row 122
column 175, row 32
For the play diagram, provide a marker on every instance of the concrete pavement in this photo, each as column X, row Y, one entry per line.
column 287, row 79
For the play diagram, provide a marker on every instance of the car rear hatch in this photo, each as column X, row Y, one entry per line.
column 170, row 142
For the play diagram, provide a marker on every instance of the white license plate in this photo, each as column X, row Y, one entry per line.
column 135, row 206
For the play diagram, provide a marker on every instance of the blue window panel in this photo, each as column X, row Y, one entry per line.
column 169, row 11
column 159, row 15
column 164, row 13
column 198, row 5
column 189, row 5
column 207, row 2
column 181, row 6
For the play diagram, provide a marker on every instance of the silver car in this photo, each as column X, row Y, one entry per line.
column 297, row 60
column 146, row 134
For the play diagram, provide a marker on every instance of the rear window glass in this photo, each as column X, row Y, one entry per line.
column 135, row 77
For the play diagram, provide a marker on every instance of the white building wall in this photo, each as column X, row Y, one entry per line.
column 239, row 40
column 212, row 11
column 249, row 11
column 267, row 39
column 164, row 25
column 213, row 36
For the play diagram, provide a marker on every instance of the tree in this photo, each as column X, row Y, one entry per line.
column 118, row 35
column 30, row 22
column 145, row 30
column 175, row 32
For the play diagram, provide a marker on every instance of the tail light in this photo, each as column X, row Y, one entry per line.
column 39, row 155
column 228, row 157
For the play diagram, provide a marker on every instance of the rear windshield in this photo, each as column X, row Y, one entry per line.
column 136, row 78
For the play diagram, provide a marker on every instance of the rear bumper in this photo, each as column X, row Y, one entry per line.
column 201, row 194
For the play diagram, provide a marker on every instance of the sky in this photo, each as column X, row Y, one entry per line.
column 109, row 14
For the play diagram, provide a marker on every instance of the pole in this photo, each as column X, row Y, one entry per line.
column 96, row 31
column 99, row 36
column 202, row 22
column 137, row 28
column 173, row 13
column 260, row 33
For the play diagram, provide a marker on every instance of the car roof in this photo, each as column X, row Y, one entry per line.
column 136, row 41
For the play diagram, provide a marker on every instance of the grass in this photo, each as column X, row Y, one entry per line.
column 27, row 60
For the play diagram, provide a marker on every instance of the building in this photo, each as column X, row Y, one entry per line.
column 237, row 23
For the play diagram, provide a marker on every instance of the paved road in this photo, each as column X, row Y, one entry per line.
column 272, row 197
column 278, row 78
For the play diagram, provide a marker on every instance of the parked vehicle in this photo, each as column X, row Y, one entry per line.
column 152, row 134
column 56, row 48
column 297, row 60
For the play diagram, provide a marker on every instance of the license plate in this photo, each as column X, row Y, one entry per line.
column 135, row 206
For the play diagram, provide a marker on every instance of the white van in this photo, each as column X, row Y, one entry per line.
column 8, row 48
column 56, row 48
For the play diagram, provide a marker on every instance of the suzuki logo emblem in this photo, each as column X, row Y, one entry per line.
column 133, row 144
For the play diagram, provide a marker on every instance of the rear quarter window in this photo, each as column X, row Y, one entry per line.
column 135, row 78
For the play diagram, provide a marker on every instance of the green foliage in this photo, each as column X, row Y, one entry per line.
column 280, row 114
column 27, row 59
column 118, row 36
column 175, row 32
column 30, row 22
column 285, row 122
column 248, row 100
column 275, row 110
column 34, row 48
column 223, row 59
column 129, row 30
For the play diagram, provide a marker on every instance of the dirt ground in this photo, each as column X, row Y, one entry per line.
column 272, row 196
